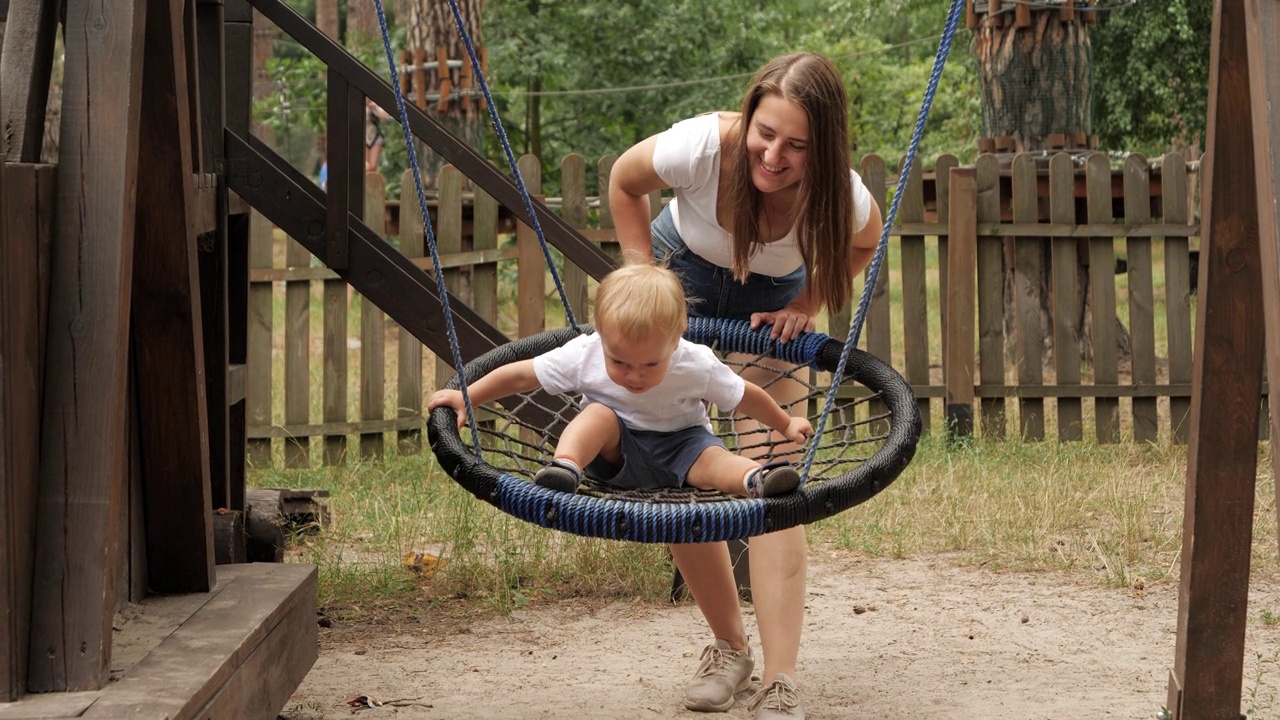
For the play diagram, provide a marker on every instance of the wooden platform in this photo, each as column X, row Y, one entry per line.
column 238, row 651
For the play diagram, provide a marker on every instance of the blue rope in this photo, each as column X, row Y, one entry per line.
column 426, row 223
column 511, row 160
column 944, row 48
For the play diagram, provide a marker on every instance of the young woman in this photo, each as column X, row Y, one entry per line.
column 770, row 224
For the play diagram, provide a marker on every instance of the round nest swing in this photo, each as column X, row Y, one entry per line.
column 873, row 428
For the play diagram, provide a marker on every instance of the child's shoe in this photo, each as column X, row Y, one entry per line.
column 559, row 475
column 776, row 478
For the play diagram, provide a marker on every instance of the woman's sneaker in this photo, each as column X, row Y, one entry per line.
column 776, row 478
column 779, row 700
column 559, row 476
column 724, row 672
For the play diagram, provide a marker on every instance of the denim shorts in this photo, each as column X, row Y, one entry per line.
column 652, row 460
column 712, row 290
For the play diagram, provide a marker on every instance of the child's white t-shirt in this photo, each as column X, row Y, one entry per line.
column 696, row 374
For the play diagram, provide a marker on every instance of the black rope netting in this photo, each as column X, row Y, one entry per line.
column 870, row 437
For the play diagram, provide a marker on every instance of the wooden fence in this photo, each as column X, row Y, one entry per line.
column 1046, row 245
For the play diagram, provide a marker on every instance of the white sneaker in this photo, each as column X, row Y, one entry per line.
column 723, row 673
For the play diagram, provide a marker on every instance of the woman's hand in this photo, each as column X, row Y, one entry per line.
column 788, row 323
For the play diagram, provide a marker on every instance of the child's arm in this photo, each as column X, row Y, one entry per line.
column 757, row 404
column 517, row 377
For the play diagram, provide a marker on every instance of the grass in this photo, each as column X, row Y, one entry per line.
column 1110, row 514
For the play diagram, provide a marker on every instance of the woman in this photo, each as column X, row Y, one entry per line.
column 768, row 223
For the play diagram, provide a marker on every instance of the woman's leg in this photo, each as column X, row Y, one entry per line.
column 708, row 574
column 779, row 561
column 778, row 565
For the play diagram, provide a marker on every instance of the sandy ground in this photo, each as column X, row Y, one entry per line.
column 919, row 639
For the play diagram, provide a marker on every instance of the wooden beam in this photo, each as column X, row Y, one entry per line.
column 81, row 506
column 1227, row 386
column 26, row 216
column 167, row 323
column 25, row 69
column 1264, row 57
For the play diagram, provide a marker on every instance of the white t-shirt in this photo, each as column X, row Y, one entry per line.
column 687, row 158
column 696, row 374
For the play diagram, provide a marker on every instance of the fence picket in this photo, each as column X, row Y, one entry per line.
column 991, row 341
column 408, row 348
column 258, row 363
column 573, row 208
column 297, row 357
column 1028, row 271
column 1102, row 284
column 373, row 335
column 1142, row 329
column 1064, row 266
column 915, row 292
column 1177, row 290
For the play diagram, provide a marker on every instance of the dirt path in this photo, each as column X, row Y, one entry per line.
column 916, row 639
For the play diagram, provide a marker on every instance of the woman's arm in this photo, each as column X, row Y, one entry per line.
column 630, row 182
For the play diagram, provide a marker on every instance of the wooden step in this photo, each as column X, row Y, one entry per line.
column 238, row 651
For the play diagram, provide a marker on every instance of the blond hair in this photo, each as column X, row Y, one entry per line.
column 824, row 223
column 642, row 301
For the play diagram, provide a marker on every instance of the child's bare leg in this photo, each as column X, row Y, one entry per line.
column 718, row 469
column 594, row 432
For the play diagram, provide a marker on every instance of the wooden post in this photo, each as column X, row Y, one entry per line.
column 962, row 231
column 29, row 34
column 1226, row 389
column 168, row 337
column 1263, row 33
column 26, row 212
column 81, row 506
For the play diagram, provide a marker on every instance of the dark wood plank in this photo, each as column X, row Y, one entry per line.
column 240, row 655
column 448, row 237
column 1065, row 295
column 961, row 302
column 26, row 65
column 80, row 510
column 1026, row 297
column 1102, row 286
column 990, row 289
column 1142, row 328
column 915, row 295
column 1223, row 453
column 1264, row 52
column 1177, row 290
column 373, row 332
column 875, row 330
column 25, row 211
column 167, row 324
column 261, row 323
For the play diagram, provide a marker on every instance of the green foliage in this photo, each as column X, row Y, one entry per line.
column 1151, row 71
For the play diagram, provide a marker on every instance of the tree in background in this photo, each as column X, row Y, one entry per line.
column 1151, row 64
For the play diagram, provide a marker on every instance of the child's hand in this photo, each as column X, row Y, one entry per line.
column 449, row 399
column 798, row 430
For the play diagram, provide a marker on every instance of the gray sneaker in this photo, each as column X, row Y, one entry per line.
column 776, row 478
column 723, row 672
column 778, row 700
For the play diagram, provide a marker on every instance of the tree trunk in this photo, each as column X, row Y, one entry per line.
column 1035, row 82
column 1036, row 94
column 432, row 28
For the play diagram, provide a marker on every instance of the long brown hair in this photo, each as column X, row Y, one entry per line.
column 824, row 223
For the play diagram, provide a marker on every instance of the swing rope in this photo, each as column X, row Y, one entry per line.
column 873, row 271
